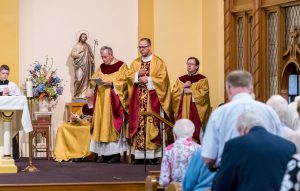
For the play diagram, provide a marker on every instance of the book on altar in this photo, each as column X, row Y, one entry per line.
column 75, row 118
column 98, row 81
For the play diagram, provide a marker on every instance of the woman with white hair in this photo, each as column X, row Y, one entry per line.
column 280, row 106
column 294, row 108
column 177, row 155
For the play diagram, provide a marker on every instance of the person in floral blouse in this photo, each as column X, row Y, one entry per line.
column 291, row 179
column 177, row 155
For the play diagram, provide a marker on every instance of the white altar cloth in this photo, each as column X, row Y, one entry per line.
column 21, row 119
column 19, row 105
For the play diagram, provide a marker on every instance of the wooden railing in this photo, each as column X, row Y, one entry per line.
column 169, row 137
column 155, row 115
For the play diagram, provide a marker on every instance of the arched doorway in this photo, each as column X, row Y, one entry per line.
column 290, row 85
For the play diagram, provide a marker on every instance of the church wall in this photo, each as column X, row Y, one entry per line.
column 178, row 33
column 213, row 48
column 191, row 28
column 9, row 20
column 146, row 21
column 51, row 27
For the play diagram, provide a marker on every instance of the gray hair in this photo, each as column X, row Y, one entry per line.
column 250, row 119
column 109, row 49
column 184, row 128
column 280, row 106
column 239, row 78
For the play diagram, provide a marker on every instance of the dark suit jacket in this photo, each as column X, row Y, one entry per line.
column 254, row 162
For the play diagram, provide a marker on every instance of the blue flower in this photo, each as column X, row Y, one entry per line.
column 40, row 87
column 37, row 67
column 59, row 90
column 46, row 83
column 56, row 80
column 35, row 92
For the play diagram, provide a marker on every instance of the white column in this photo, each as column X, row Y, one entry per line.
column 7, row 138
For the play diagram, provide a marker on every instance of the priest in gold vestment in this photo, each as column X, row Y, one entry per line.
column 111, row 108
column 149, row 91
column 73, row 138
column 190, row 97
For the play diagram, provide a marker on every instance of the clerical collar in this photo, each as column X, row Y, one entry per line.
column 113, row 61
column 147, row 58
column 192, row 74
column 5, row 82
column 90, row 105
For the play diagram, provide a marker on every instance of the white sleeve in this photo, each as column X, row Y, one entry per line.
column 114, row 88
column 150, row 85
column 18, row 91
column 14, row 90
column 136, row 78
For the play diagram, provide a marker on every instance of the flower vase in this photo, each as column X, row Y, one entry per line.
column 43, row 105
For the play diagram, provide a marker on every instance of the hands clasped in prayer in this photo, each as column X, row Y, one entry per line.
column 186, row 87
column 143, row 79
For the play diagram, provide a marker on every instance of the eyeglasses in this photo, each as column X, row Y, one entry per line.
column 191, row 64
column 142, row 47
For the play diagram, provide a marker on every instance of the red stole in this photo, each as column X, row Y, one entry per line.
column 117, row 111
column 134, row 111
column 134, row 107
column 194, row 116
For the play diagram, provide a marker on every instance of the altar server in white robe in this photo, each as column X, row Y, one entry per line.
column 7, row 88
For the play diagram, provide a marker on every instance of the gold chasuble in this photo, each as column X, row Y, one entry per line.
column 111, row 103
column 195, row 106
column 145, row 98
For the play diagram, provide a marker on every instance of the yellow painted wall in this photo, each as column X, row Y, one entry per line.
column 146, row 20
column 177, row 33
column 9, row 21
column 191, row 28
column 213, row 48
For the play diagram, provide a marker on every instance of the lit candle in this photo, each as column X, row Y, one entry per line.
column 29, row 87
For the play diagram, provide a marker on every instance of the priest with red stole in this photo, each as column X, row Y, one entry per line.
column 149, row 89
column 190, row 97
column 111, row 108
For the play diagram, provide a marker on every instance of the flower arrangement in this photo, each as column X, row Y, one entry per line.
column 46, row 83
